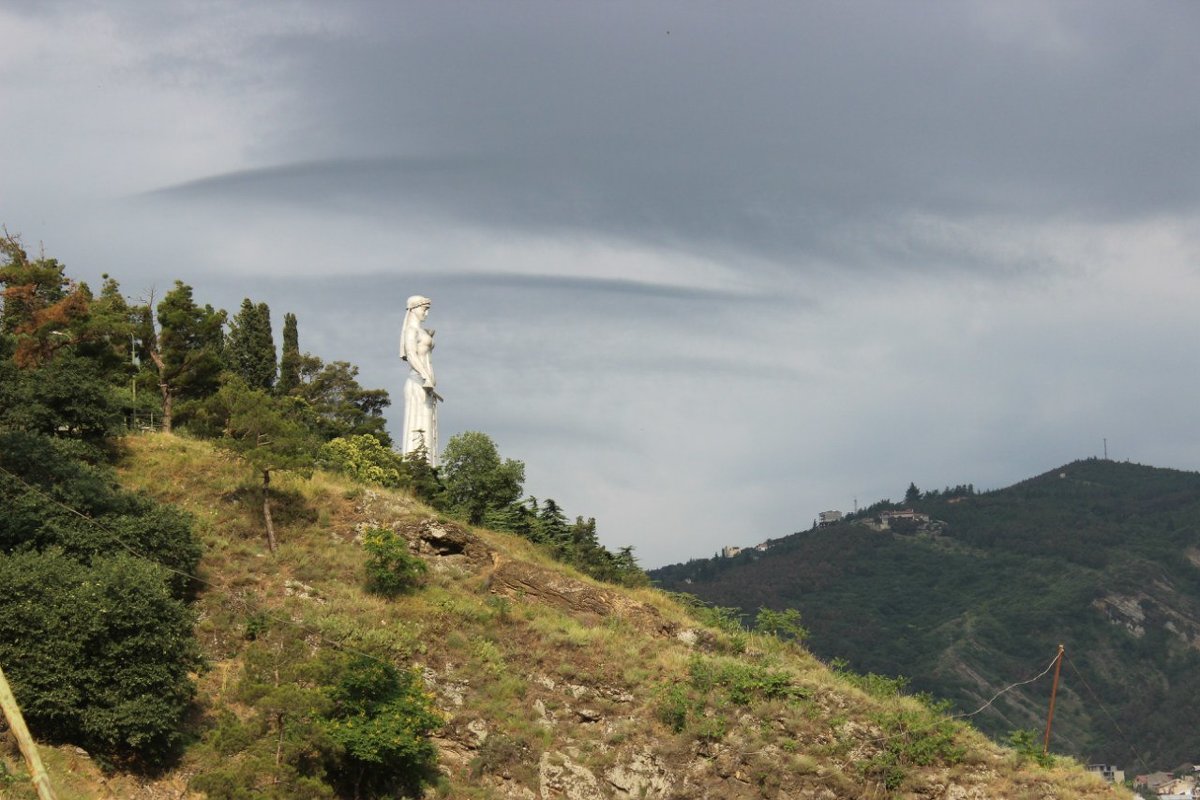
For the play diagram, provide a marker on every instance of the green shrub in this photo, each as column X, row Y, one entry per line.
column 715, row 683
column 321, row 724
column 364, row 459
column 33, row 520
column 391, row 569
column 742, row 683
column 674, row 707
column 98, row 654
column 382, row 721
column 913, row 739
column 1028, row 748
column 880, row 686
column 781, row 624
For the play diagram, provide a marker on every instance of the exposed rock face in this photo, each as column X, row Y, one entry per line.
column 1160, row 605
column 643, row 775
column 560, row 776
column 523, row 580
column 1125, row 611
column 449, row 541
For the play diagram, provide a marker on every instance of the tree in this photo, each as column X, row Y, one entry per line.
column 103, row 652
column 341, row 406
column 250, row 348
column 29, row 286
column 475, row 478
column 64, row 396
column 781, row 624
column 629, row 573
column 912, row 494
column 41, row 304
column 260, row 428
column 553, row 524
column 289, row 357
column 383, row 720
column 187, row 349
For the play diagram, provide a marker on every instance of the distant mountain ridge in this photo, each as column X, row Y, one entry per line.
column 1103, row 557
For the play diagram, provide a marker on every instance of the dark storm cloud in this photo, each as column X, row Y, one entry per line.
column 703, row 128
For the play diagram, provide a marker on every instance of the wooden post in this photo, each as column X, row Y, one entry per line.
column 1053, row 693
column 12, row 712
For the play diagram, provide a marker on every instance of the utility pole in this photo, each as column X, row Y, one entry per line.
column 133, row 360
column 1053, row 694
column 12, row 712
column 1106, row 448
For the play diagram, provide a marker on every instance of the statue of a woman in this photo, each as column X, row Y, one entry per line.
column 420, row 390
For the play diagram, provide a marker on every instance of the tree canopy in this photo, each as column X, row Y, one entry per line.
column 250, row 348
column 476, row 479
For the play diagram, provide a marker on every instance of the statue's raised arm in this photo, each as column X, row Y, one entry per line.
column 420, row 390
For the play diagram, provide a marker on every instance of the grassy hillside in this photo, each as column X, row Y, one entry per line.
column 1099, row 556
column 547, row 684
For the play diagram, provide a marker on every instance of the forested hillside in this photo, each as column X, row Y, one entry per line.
column 1102, row 557
column 218, row 580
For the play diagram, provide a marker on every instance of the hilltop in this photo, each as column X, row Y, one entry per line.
column 547, row 683
column 1103, row 557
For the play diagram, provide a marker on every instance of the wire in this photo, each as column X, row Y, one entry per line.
column 935, row 723
column 1111, row 719
column 1007, row 689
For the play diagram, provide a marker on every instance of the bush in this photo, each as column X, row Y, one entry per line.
column 365, row 460
column 781, row 624
column 160, row 533
column 718, row 683
column 98, row 655
column 320, row 724
column 1028, row 748
column 391, row 568
column 913, row 739
column 382, row 721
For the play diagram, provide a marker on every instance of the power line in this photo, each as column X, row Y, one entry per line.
column 1111, row 719
column 1007, row 689
column 935, row 723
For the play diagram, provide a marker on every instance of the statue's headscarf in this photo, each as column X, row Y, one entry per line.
column 414, row 302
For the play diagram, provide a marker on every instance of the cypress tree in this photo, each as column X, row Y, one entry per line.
column 289, row 358
column 266, row 346
column 251, row 348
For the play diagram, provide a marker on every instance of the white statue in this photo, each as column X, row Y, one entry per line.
column 420, row 390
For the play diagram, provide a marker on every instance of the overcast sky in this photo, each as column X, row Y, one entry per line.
column 706, row 268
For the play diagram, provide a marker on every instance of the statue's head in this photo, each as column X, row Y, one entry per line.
column 416, row 301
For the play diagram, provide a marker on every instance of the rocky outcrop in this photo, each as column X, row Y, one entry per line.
column 519, row 579
column 448, row 542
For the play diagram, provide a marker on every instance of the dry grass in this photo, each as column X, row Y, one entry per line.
column 502, row 660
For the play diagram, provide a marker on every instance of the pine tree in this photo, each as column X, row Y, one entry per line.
column 260, row 427
column 341, row 405
column 289, row 358
column 29, row 286
column 250, row 352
